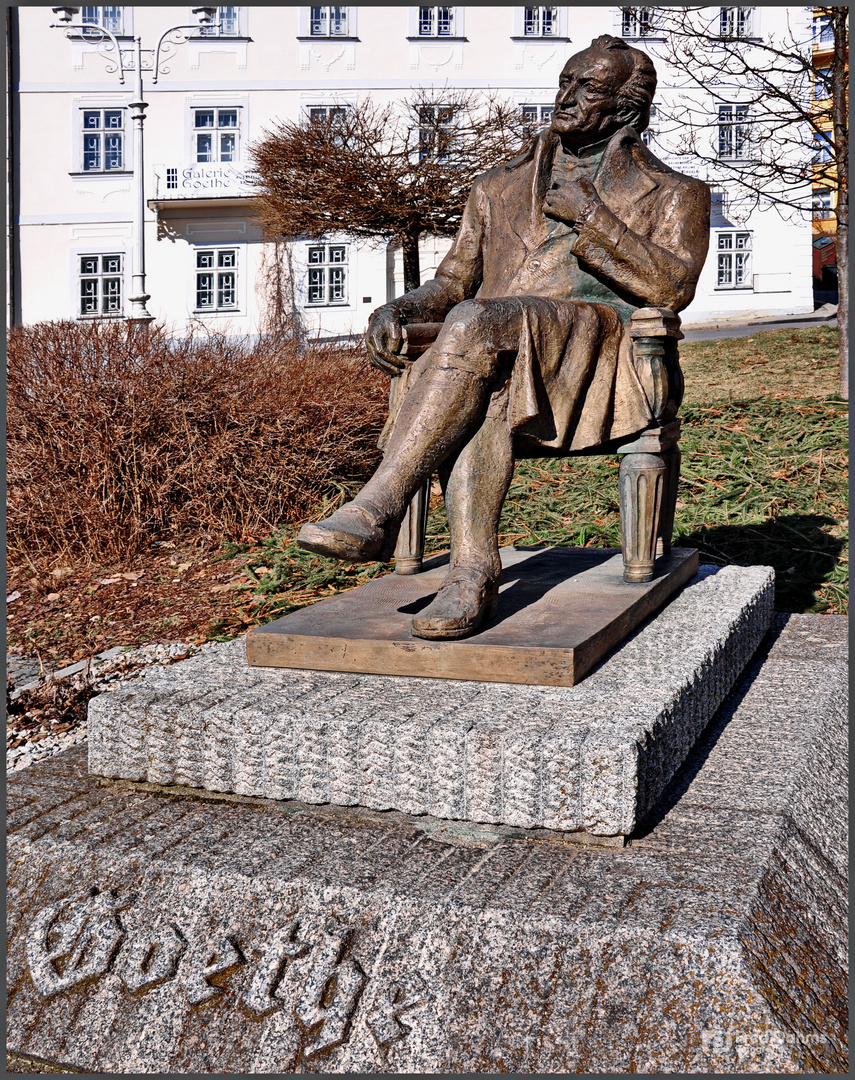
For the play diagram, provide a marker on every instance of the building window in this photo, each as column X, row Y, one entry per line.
column 216, row 279
column 435, row 124
column 823, row 147
column 735, row 22
column 320, row 114
column 822, row 204
column 823, row 31
column 733, row 270
column 215, row 134
column 535, row 117
column 638, row 22
column 103, row 140
column 328, row 21
column 436, row 22
column 733, row 131
column 226, row 24
column 540, row 21
column 327, row 279
column 648, row 136
column 100, row 285
column 108, row 17
column 718, row 210
column 821, row 83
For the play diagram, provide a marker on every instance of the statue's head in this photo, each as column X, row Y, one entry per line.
column 602, row 89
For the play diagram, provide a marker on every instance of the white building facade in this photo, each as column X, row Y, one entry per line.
column 69, row 229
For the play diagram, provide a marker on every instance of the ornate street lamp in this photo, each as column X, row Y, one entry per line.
column 130, row 59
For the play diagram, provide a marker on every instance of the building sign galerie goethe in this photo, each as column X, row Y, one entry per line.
column 193, row 181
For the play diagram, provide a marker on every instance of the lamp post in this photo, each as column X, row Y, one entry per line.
column 122, row 60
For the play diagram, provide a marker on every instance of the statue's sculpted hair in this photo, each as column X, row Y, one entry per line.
column 635, row 96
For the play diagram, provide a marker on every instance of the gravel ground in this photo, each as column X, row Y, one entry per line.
column 46, row 711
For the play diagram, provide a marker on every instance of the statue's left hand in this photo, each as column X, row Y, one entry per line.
column 567, row 200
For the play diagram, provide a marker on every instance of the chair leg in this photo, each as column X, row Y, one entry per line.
column 671, row 457
column 410, row 549
column 642, row 482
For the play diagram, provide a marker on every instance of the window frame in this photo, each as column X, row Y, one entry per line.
column 216, row 271
column 821, row 199
column 305, row 25
column 213, row 33
column 329, row 35
column 540, row 124
column 326, row 265
column 731, row 253
column 125, row 31
column 540, row 33
column 650, row 134
column 99, row 277
column 823, row 147
column 336, row 107
column 740, row 121
column 655, row 33
column 559, row 34
column 457, row 33
column 103, row 132
column 216, row 109
column 430, row 154
column 732, row 13
column 826, row 30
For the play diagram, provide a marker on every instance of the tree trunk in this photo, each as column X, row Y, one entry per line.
column 412, row 272
column 840, row 115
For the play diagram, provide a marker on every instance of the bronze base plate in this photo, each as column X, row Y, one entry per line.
column 560, row 611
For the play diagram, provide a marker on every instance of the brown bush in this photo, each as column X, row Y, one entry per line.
column 118, row 436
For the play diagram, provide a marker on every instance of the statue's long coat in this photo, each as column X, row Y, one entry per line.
column 573, row 384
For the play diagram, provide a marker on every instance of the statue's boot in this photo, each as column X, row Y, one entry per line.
column 441, row 410
column 474, row 495
column 354, row 532
column 466, row 597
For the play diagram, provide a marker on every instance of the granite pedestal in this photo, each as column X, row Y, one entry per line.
column 588, row 760
column 228, row 935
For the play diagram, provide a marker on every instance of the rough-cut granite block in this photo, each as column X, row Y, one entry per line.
column 225, row 938
column 589, row 758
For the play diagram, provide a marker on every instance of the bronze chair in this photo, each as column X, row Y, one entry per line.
column 650, row 461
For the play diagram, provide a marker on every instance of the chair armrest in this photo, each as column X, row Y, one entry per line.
column 418, row 337
column 655, row 333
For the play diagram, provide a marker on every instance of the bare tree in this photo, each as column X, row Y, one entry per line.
column 782, row 127
column 391, row 172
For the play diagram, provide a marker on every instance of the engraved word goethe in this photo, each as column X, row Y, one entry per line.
column 78, row 940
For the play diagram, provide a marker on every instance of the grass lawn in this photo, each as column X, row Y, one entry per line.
column 763, row 481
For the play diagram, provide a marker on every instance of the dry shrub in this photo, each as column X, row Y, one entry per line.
column 119, row 435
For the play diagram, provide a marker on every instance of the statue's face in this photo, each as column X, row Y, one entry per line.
column 586, row 108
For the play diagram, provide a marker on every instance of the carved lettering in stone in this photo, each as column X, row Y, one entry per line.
column 73, row 941
column 261, row 998
column 394, row 997
column 207, row 962
column 331, row 991
column 150, row 958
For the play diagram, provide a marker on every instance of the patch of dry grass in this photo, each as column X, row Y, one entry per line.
column 798, row 363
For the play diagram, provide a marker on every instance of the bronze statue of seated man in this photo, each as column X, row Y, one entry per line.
column 555, row 251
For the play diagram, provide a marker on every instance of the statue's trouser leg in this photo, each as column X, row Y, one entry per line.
column 439, row 413
column 475, row 493
column 446, row 404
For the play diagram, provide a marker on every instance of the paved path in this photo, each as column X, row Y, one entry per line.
column 714, row 334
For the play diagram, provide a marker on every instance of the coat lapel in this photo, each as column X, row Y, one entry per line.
column 622, row 180
column 525, row 189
